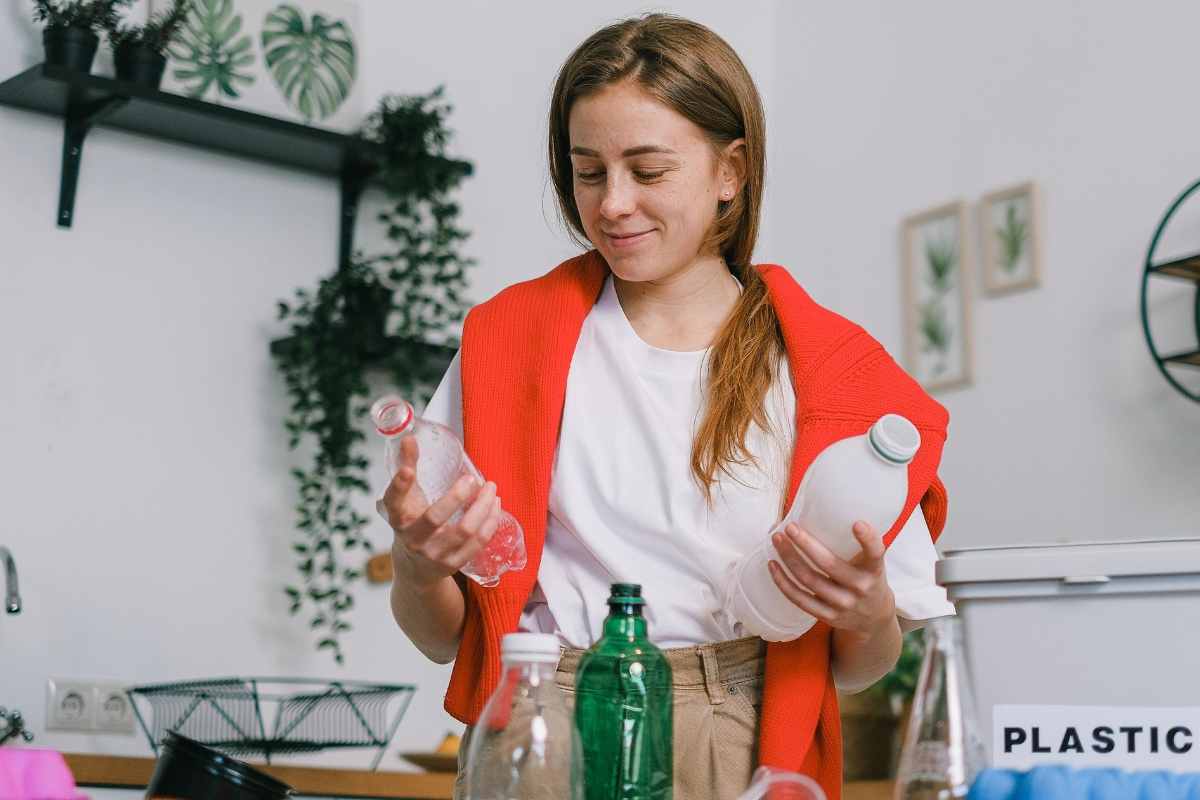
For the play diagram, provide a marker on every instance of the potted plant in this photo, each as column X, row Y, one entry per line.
column 69, row 37
column 140, row 51
column 873, row 721
column 396, row 313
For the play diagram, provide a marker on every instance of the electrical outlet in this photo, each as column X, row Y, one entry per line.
column 69, row 705
column 114, row 708
column 86, row 706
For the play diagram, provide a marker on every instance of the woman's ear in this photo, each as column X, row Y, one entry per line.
column 732, row 168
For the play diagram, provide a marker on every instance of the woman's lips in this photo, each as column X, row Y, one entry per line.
column 629, row 240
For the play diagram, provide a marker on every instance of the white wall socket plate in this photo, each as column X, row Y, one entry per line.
column 114, row 708
column 87, row 706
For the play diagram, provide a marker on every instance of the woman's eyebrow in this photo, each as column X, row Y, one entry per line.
column 633, row 151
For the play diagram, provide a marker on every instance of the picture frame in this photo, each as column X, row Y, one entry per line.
column 296, row 60
column 936, row 280
column 1010, row 234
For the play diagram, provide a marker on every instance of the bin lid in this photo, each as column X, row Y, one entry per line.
column 1081, row 560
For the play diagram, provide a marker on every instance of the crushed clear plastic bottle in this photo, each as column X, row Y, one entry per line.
column 943, row 749
column 441, row 461
column 525, row 745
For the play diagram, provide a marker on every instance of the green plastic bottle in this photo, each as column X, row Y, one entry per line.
column 623, row 707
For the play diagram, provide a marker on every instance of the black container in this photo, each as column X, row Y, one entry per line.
column 139, row 64
column 70, row 47
column 187, row 770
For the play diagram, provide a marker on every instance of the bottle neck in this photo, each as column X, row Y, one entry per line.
column 534, row 673
column 625, row 622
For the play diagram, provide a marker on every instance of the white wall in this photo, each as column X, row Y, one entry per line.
column 1069, row 432
column 144, row 470
column 143, row 462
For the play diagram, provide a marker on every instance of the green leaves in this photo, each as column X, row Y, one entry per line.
column 376, row 313
column 937, row 334
column 941, row 256
column 211, row 54
column 89, row 14
column 312, row 64
column 1012, row 235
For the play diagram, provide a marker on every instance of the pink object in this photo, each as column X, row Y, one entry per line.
column 33, row 774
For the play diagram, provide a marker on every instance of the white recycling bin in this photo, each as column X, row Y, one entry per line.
column 1096, row 624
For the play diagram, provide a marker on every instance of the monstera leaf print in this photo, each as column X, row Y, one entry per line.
column 311, row 62
column 209, row 53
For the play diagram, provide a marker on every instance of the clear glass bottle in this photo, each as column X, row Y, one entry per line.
column 943, row 747
column 525, row 746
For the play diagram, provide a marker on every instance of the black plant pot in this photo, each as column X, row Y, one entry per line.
column 70, row 47
column 188, row 770
column 368, row 307
column 139, row 64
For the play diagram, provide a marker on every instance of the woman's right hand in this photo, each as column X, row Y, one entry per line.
column 427, row 548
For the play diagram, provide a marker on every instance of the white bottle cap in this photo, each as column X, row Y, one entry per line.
column 895, row 439
column 539, row 647
column 392, row 415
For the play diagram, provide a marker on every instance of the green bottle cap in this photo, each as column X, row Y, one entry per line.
column 626, row 594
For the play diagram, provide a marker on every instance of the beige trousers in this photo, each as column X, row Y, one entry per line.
column 717, row 698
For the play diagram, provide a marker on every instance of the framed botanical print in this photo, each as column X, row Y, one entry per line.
column 292, row 59
column 937, row 297
column 1010, row 222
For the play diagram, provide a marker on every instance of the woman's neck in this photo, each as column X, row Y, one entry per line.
column 683, row 311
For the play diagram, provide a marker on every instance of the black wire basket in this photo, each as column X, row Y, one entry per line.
column 305, row 714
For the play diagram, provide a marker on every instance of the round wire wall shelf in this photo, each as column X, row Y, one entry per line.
column 1185, row 269
column 271, row 716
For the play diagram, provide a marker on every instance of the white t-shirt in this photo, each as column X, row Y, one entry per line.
column 624, row 506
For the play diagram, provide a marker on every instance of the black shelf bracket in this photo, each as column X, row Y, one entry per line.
column 353, row 180
column 79, row 119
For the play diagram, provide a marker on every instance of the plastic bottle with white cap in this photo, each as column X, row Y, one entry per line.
column 525, row 745
column 858, row 478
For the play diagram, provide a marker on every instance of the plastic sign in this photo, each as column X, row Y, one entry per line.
column 1128, row 737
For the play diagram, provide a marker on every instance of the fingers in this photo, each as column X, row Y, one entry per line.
column 409, row 451
column 810, row 579
column 484, row 504
column 798, row 596
column 870, row 542
column 857, row 579
column 473, row 544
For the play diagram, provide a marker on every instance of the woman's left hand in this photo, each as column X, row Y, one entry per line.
column 851, row 595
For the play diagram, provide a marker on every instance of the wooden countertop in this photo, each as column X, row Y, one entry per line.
column 134, row 773
column 128, row 772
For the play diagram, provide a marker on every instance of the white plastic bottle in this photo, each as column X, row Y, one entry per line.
column 440, row 462
column 858, row 478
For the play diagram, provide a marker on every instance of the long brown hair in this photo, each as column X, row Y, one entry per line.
column 690, row 69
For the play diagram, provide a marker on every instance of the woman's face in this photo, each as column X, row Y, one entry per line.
column 646, row 181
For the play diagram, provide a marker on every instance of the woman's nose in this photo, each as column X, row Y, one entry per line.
column 620, row 198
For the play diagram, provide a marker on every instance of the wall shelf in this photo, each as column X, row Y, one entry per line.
column 1186, row 268
column 86, row 101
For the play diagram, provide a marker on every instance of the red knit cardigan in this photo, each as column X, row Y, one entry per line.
column 516, row 353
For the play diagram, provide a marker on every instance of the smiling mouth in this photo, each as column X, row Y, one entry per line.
column 628, row 239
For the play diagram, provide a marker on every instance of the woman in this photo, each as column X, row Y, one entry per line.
column 647, row 410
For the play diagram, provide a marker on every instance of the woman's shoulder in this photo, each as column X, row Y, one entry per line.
column 573, row 284
column 803, row 316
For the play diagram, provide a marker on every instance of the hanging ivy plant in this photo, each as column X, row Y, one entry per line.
column 395, row 311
